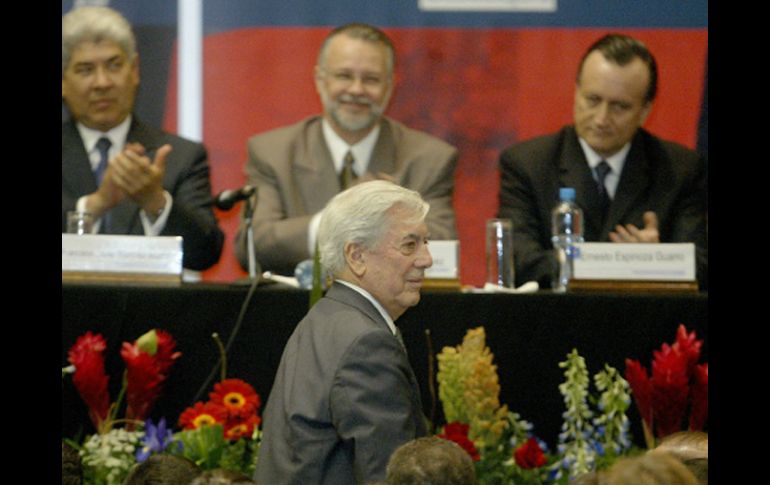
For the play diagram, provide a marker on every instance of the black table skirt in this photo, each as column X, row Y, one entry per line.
column 528, row 334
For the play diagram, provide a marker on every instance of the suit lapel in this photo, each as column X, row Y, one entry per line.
column 634, row 180
column 384, row 152
column 76, row 167
column 312, row 170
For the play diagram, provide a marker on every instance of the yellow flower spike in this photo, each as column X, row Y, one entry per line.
column 148, row 342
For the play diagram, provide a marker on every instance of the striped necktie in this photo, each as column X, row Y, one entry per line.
column 103, row 145
column 347, row 176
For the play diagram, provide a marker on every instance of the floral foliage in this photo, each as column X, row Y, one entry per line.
column 220, row 433
column 469, row 389
column 224, row 431
column 506, row 451
column 148, row 361
column 678, row 384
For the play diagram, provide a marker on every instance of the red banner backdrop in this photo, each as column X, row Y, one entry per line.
column 479, row 89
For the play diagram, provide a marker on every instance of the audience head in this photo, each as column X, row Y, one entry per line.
column 100, row 66
column 691, row 448
column 616, row 83
column 163, row 470
column 71, row 466
column 649, row 469
column 354, row 78
column 430, row 461
column 221, row 476
column 374, row 235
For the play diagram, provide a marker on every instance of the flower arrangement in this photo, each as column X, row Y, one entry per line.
column 502, row 445
column 222, row 432
column 677, row 384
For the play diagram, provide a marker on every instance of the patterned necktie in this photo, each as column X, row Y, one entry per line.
column 103, row 145
column 347, row 176
column 601, row 173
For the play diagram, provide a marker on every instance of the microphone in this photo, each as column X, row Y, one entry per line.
column 227, row 198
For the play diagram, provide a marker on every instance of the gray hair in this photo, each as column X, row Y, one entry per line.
column 361, row 215
column 94, row 24
column 430, row 460
column 365, row 32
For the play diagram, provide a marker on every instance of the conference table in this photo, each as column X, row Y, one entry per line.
column 529, row 334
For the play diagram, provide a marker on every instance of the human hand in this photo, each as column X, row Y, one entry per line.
column 140, row 177
column 107, row 195
column 630, row 233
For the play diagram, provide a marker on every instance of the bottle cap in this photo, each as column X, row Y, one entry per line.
column 567, row 193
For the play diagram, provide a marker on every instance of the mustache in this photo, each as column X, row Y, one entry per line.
column 351, row 98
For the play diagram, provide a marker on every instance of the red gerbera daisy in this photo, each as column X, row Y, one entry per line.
column 237, row 396
column 237, row 428
column 202, row 414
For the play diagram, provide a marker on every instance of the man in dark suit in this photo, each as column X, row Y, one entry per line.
column 135, row 179
column 345, row 396
column 631, row 185
column 298, row 168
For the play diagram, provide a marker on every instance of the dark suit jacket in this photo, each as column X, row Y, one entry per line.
column 344, row 398
column 658, row 175
column 294, row 174
column 186, row 179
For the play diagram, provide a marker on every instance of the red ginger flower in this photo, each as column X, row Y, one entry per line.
column 676, row 381
column 458, row 432
column 237, row 427
column 237, row 396
column 699, row 397
column 148, row 361
column 90, row 378
column 529, row 455
column 202, row 414
column 637, row 378
column 670, row 390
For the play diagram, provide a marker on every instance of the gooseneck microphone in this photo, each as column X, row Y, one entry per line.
column 228, row 198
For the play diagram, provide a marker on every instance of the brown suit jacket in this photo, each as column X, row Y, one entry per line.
column 292, row 169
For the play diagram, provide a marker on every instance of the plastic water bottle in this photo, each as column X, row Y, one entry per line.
column 566, row 230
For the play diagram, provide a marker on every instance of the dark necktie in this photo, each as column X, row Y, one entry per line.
column 601, row 173
column 347, row 176
column 103, row 145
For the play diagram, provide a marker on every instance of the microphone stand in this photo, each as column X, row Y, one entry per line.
column 248, row 214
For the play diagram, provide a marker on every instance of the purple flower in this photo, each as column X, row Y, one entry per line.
column 156, row 439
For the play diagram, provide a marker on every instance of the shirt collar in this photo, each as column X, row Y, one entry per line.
column 615, row 161
column 368, row 296
column 362, row 151
column 116, row 135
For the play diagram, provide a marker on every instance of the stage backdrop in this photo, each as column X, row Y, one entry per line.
column 481, row 80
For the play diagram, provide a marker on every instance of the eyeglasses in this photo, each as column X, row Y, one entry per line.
column 346, row 78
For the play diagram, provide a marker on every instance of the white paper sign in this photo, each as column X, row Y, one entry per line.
column 445, row 256
column 157, row 255
column 488, row 5
column 635, row 261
